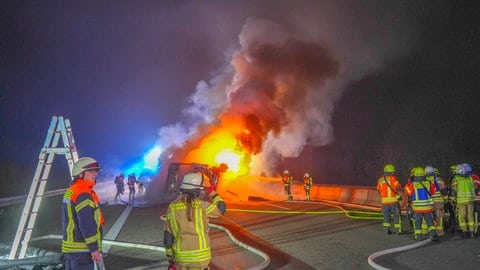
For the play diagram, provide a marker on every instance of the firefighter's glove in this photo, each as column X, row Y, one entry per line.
column 171, row 263
column 211, row 188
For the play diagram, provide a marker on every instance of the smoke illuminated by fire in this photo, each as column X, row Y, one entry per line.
column 277, row 82
column 275, row 97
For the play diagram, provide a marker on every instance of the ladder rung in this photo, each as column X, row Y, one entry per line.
column 57, row 150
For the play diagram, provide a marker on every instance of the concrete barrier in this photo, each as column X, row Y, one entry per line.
column 269, row 188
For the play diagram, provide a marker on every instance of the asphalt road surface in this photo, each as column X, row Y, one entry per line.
column 294, row 235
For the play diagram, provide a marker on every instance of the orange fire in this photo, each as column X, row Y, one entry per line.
column 222, row 146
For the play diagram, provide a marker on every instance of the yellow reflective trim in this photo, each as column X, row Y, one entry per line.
column 201, row 230
column 68, row 194
column 84, row 204
column 193, row 256
column 70, row 223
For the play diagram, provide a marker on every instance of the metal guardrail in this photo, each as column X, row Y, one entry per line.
column 21, row 199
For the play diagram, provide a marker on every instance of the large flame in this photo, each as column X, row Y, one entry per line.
column 222, row 145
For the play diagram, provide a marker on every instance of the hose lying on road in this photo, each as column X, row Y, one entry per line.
column 265, row 257
column 393, row 250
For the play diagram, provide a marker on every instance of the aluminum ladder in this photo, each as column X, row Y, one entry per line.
column 59, row 128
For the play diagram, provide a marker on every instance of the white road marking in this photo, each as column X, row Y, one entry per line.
column 115, row 230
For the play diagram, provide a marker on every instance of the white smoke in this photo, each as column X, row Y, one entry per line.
column 289, row 76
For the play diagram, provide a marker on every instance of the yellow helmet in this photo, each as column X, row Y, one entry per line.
column 452, row 169
column 418, row 171
column 389, row 168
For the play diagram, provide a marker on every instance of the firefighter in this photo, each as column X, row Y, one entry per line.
column 131, row 181
column 421, row 191
column 216, row 173
column 476, row 204
column 433, row 175
column 119, row 183
column 287, row 183
column 186, row 240
column 450, row 220
column 387, row 187
column 82, row 219
column 307, row 184
column 463, row 189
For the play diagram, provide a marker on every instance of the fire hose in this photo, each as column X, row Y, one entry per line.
column 375, row 255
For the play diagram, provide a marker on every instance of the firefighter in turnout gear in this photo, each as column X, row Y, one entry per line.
column 120, row 185
column 387, row 187
column 82, row 219
column 307, row 184
column 421, row 191
column 287, row 183
column 463, row 189
column 433, row 175
column 132, row 180
column 186, row 240
column 476, row 202
column 450, row 220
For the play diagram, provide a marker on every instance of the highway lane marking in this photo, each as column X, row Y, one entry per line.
column 115, row 230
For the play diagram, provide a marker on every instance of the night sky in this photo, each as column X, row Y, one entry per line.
column 401, row 84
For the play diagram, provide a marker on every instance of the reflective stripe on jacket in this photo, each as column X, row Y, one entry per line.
column 81, row 218
column 191, row 243
column 465, row 188
column 388, row 192
column 420, row 192
column 287, row 180
column 307, row 182
column 439, row 185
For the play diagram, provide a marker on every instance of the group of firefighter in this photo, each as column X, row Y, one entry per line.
column 432, row 205
column 131, row 182
column 287, row 180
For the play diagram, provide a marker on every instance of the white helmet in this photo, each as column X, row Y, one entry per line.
column 84, row 164
column 460, row 169
column 429, row 170
column 306, row 174
column 192, row 181
column 285, row 172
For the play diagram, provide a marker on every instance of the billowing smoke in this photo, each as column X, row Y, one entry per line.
column 282, row 85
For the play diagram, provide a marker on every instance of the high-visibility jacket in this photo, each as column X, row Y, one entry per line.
column 307, row 182
column 191, row 243
column 439, row 185
column 421, row 192
column 464, row 188
column 287, row 180
column 387, row 186
column 81, row 218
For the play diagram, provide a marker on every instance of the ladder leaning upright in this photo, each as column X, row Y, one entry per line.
column 59, row 128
